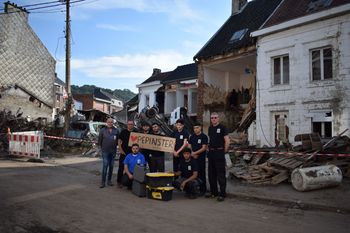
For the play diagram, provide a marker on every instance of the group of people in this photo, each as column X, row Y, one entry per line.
column 189, row 156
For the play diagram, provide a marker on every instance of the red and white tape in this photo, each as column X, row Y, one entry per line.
column 68, row 139
column 288, row 153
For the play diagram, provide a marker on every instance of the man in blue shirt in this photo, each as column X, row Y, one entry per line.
column 108, row 141
column 130, row 161
column 188, row 175
column 198, row 142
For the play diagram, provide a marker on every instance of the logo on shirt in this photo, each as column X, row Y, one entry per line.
column 218, row 130
column 189, row 168
column 199, row 141
column 181, row 137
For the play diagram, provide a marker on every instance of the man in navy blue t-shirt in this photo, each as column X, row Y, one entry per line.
column 188, row 175
column 198, row 142
column 181, row 135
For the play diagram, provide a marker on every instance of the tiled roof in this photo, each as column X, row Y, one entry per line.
column 184, row 72
column 291, row 9
column 100, row 95
column 157, row 77
column 251, row 17
column 109, row 95
column 59, row 81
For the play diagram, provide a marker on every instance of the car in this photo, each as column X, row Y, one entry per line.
column 83, row 129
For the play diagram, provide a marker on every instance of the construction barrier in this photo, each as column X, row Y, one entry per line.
column 26, row 143
column 287, row 153
column 69, row 139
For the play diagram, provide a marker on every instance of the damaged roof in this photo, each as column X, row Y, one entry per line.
column 291, row 9
column 184, row 72
column 235, row 33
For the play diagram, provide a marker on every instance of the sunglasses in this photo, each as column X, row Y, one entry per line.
column 214, row 117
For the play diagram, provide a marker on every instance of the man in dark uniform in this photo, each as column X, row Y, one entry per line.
column 181, row 135
column 145, row 128
column 124, row 149
column 108, row 141
column 198, row 142
column 156, row 158
column 188, row 175
column 218, row 146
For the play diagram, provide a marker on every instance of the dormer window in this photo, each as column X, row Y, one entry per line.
column 238, row 35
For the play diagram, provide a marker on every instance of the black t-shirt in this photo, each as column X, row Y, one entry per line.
column 180, row 137
column 156, row 153
column 197, row 141
column 124, row 137
column 187, row 168
column 216, row 135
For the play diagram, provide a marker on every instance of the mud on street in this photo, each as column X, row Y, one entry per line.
column 62, row 195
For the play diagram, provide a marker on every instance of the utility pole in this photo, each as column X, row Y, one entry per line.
column 67, row 117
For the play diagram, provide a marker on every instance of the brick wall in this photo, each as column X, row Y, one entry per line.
column 86, row 99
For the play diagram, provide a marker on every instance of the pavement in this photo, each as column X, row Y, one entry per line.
column 336, row 199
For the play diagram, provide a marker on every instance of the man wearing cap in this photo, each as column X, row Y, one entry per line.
column 198, row 142
column 218, row 145
column 108, row 141
column 156, row 158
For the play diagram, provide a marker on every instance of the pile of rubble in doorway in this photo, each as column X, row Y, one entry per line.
column 273, row 165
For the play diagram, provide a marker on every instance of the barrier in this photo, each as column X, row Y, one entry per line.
column 25, row 143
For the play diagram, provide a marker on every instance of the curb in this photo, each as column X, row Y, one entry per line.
column 290, row 203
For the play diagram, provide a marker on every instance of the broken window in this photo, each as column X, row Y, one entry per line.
column 322, row 123
column 280, row 70
column 321, row 64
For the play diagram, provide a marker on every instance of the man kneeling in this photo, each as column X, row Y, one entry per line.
column 188, row 175
column 130, row 162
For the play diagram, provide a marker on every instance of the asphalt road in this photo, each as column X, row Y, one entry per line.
column 64, row 197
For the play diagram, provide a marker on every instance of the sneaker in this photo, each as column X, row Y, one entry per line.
column 102, row 186
column 220, row 198
column 110, row 183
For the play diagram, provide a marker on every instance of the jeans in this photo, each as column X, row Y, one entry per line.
column 108, row 163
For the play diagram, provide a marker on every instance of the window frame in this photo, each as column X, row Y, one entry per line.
column 281, row 69
column 322, row 61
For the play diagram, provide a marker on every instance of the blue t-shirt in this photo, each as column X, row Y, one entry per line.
column 131, row 160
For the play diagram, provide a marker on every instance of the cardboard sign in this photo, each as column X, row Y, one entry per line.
column 152, row 142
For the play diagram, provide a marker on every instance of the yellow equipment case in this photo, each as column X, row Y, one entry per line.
column 160, row 193
column 159, row 179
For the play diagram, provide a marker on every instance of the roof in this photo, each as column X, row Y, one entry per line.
column 157, row 77
column 239, row 25
column 184, row 72
column 59, row 81
column 291, row 9
column 133, row 100
column 110, row 95
column 98, row 94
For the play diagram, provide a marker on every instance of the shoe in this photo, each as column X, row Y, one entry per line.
column 220, row 198
column 209, row 195
column 192, row 196
column 102, row 186
column 110, row 183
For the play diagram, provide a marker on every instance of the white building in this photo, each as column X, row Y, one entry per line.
column 303, row 71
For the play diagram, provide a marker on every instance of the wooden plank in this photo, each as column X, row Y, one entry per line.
column 282, row 176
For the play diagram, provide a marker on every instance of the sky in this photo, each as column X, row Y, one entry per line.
column 117, row 43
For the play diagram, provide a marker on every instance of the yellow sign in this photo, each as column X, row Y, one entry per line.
column 152, row 142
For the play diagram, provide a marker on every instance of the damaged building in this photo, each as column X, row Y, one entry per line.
column 227, row 67
column 27, row 70
column 303, row 71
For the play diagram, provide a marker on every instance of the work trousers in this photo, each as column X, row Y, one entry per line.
column 108, row 163
column 192, row 187
column 176, row 162
column 120, row 168
column 126, row 181
column 156, row 164
column 202, row 173
column 217, row 172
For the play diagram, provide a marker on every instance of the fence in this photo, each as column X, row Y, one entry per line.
column 26, row 143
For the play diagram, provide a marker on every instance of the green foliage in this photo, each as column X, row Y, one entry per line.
column 124, row 94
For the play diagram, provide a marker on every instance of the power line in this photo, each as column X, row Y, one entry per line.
column 55, row 5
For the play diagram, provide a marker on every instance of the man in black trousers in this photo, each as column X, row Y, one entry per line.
column 218, row 145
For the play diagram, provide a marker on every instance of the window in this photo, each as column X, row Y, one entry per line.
column 238, row 35
column 321, row 64
column 322, row 123
column 280, row 70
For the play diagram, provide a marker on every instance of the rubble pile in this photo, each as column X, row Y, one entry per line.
column 268, row 166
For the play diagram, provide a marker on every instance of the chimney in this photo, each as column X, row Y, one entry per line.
column 237, row 5
column 156, row 71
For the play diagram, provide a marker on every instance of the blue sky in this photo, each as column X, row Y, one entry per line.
column 117, row 43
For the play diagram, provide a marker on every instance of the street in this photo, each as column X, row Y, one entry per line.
column 63, row 195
